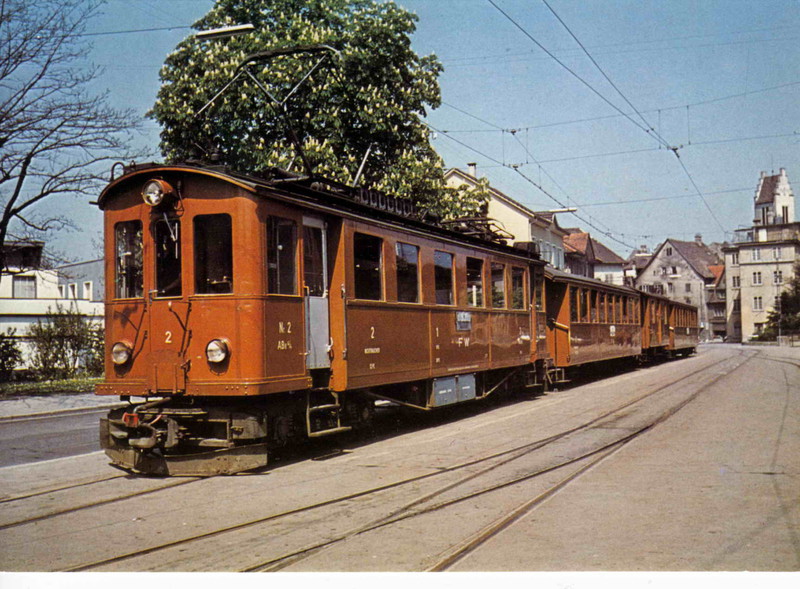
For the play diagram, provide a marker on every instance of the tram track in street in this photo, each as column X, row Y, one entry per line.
column 408, row 509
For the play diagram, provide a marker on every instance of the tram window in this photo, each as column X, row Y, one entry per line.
column 168, row 257
column 474, row 282
column 213, row 254
column 281, row 256
column 573, row 304
column 407, row 273
column 128, row 254
column 367, row 259
column 625, row 307
column 517, row 288
column 443, row 270
column 593, row 306
column 498, row 285
column 313, row 263
column 538, row 292
column 584, row 305
column 601, row 309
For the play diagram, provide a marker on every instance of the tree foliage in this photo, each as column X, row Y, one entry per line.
column 786, row 314
column 368, row 97
column 65, row 344
column 10, row 354
column 55, row 136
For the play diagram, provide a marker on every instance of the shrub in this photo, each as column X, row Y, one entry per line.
column 10, row 354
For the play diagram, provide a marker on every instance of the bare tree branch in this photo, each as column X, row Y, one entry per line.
column 55, row 138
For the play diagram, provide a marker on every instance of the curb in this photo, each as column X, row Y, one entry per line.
column 51, row 413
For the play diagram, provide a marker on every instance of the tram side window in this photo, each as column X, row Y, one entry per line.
column 593, row 305
column 168, row 257
column 538, row 292
column 443, row 269
column 213, row 254
column 407, row 262
column 602, row 307
column 281, row 256
column 517, row 288
column 573, row 305
column 128, row 254
column 367, row 259
column 498, row 285
column 474, row 282
column 584, row 305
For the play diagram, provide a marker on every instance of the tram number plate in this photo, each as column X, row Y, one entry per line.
column 463, row 321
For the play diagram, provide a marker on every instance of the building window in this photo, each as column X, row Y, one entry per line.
column 756, row 255
column 73, row 291
column 87, row 291
column 670, row 288
column 23, row 287
column 128, row 250
column 688, row 287
column 758, row 304
column 785, row 210
column 756, row 278
column 668, row 251
column 776, row 253
column 687, row 299
column 62, row 293
column 777, row 277
column 737, row 305
column 282, row 256
column 474, row 282
column 735, row 281
column 407, row 271
column 673, row 270
column 367, row 258
column 735, row 259
column 758, row 327
column 213, row 254
column 443, row 268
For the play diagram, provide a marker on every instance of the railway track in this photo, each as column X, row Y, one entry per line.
column 423, row 504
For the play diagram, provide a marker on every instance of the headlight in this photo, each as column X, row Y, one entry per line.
column 120, row 353
column 217, row 351
column 154, row 191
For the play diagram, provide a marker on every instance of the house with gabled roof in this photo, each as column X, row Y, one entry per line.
column 608, row 266
column 525, row 225
column 681, row 271
column 579, row 253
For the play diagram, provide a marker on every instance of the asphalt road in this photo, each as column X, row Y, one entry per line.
column 34, row 439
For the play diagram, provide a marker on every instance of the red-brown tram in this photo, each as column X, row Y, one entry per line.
column 251, row 311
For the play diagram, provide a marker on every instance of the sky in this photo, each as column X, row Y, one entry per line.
column 653, row 118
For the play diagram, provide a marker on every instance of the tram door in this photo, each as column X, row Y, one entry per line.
column 315, row 289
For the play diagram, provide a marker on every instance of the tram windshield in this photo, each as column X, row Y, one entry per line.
column 168, row 258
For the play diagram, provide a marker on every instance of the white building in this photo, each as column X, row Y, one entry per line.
column 28, row 293
column 760, row 263
column 522, row 223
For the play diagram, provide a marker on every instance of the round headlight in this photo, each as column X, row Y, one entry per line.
column 217, row 351
column 154, row 192
column 120, row 353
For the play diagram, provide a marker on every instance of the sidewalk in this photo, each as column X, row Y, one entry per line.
column 38, row 405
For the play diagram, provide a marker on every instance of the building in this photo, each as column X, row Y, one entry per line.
column 716, row 300
column 760, row 263
column 579, row 253
column 525, row 225
column 681, row 271
column 28, row 292
column 608, row 267
column 635, row 264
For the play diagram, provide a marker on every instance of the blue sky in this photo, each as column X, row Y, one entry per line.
column 719, row 80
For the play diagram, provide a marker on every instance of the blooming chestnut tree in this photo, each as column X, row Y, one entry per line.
column 368, row 97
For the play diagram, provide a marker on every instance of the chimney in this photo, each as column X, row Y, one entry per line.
column 698, row 239
column 472, row 168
